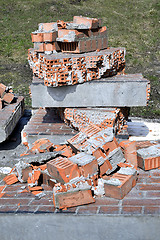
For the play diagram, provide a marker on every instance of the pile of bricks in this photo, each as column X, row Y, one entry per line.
column 78, row 176
column 67, row 53
column 99, row 159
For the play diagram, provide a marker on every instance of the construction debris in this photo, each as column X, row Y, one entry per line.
column 97, row 159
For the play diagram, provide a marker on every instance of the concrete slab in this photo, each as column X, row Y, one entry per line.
column 17, row 227
column 118, row 91
column 9, row 116
column 45, row 123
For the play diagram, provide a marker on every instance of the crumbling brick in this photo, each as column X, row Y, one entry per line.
column 130, row 152
column 87, row 164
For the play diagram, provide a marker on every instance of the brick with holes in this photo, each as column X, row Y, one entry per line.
column 120, row 183
column 149, row 158
column 62, row 169
column 72, row 194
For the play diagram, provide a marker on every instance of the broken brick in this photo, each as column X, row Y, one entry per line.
column 41, row 145
column 10, row 179
column 130, row 152
column 120, row 183
column 87, row 164
column 34, row 177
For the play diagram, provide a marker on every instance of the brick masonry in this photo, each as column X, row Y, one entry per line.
column 142, row 200
column 45, row 123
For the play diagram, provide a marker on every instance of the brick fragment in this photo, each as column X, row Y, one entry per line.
column 10, row 179
column 41, row 145
column 130, row 152
column 120, row 183
column 70, row 195
column 7, row 97
column 33, row 178
column 2, row 89
column 90, row 23
column 66, row 151
column 87, row 164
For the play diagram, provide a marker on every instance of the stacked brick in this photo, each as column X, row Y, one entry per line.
column 67, row 53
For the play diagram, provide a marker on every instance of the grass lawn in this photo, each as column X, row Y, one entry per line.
column 131, row 24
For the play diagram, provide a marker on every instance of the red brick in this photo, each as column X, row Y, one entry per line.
column 71, row 199
column 94, row 45
column 141, row 202
column 2, row 89
column 130, row 152
column 10, row 179
column 109, row 210
column 90, row 22
column 149, row 163
column 14, row 187
column 88, row 210
column 105, row 43
column 60, row 167
column 49, row 36
column 153, row 180
column 8, row 97
column 106, row 201
column 120, row 191
column 99, row 43
column 47, row 26
column 110, row 146
column 8, row 209
column 152, row 210
column 14, row 201
column 37, row 37
column 45, row 209
column 131, row 210
column 148, row 187
column 88, row 46
column 156, row 173
column 42, row 201
column 26, row 209
column 153, row 194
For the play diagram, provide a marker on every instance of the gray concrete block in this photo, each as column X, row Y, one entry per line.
column 120, row 91
column 9, row 116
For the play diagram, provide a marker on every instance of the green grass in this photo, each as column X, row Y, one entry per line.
column 132, row 24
